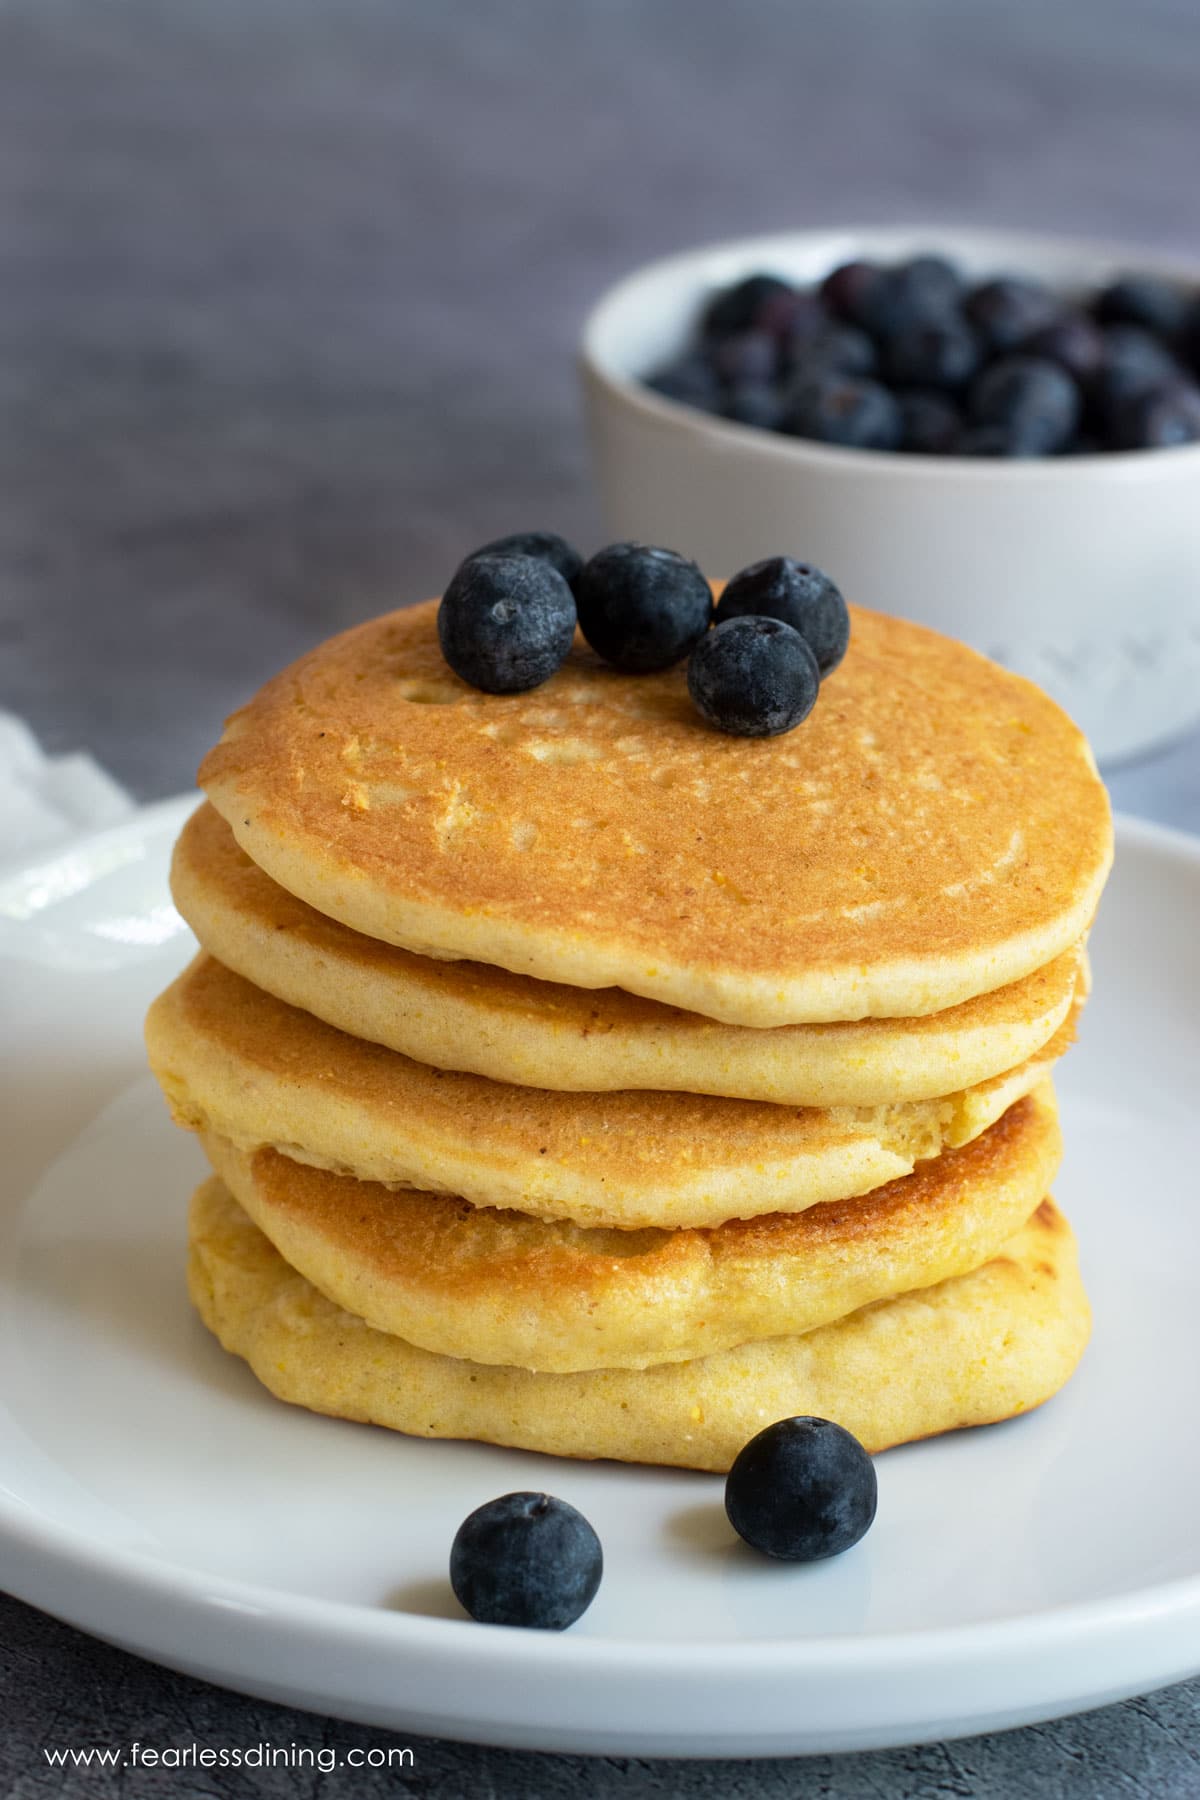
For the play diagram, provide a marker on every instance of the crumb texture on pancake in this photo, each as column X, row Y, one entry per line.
column 494, row 1286
column 934, row 830
column 975, row 1349
column 233, row 1060
column 487, row 1021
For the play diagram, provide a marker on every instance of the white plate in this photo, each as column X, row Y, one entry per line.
column 152, row 1493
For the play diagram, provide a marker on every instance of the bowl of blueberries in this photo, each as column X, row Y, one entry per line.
column 992, row 433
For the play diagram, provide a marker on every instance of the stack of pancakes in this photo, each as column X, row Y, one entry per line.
column 578, row 1078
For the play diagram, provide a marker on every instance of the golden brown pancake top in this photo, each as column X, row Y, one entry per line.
column 933, row 830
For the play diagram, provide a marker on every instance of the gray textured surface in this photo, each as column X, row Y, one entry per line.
column 287, row 299
column 61, row 1687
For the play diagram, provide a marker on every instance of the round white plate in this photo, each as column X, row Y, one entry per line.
column 152, row 1493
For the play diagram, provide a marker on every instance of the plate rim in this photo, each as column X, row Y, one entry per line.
column 49, row 1553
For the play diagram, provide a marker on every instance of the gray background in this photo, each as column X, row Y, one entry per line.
column 288, row 294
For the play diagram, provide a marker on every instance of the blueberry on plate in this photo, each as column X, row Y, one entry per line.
column 930, row 422
column 801, row 1490
column 1008, row 310
column 745, row 306
column 543, row 546
column 526, row 1559
column 1032, row 399
column 844, row 409
column 753, row 677
column 505, row 623
column 640, row 608
column 690, row 380
column 1146, row 300
column 1158, row 419
column 944, row 354
column 1074, row 341
column 800, row 595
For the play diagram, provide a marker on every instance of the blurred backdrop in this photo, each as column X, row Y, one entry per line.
column 289, row 289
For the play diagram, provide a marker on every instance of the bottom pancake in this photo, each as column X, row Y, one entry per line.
column 974, row 1349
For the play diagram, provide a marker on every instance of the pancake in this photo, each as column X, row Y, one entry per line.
column 975, row 1349
column 237, row 1062
column 486, row 1021
column 934, row 830
column 499, row 1287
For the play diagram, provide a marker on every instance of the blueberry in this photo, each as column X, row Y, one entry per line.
column 794, row 318
column 1082, row 444
column 846, row 290
column 1190, row 336
column 1034, row 400
column 544, row 546
column 801, row 1490
column 1133, row 362
column 1074, row 341
column 1158, row 419
column 1145, row 300
column 745, row 305
column 642, row 609
column 1008, row 310
column 844, row 409
column 804, row 598
column 526, row 1559
column 690, row 380
column 745, row 356
column 506, row 622
column 924, row 291
column 840, row 349
column 753, row 403
column 930, row 422
column 931, row 281
column 993, row 440
column 753, row 677
column 941, row 355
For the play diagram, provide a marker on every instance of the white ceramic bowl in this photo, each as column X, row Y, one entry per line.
column 1081, row 572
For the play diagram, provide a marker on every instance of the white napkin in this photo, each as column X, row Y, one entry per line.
column 47, row 799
